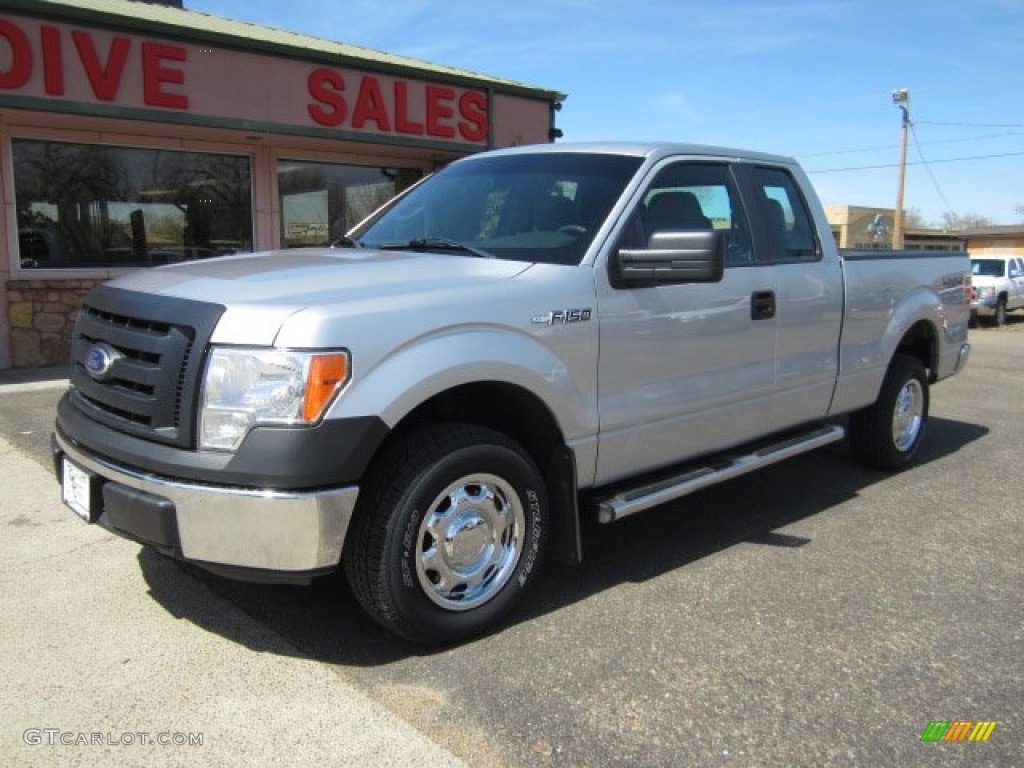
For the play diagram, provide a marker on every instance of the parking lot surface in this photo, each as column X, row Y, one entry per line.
column 813, row 613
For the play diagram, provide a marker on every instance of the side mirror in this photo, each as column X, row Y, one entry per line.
column 673, row 257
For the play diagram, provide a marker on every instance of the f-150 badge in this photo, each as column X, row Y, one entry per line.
column 562, row 317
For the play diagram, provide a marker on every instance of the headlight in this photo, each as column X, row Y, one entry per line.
column 985, row 293
column 245, row 387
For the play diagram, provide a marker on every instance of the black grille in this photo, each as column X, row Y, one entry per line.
column 152, row 387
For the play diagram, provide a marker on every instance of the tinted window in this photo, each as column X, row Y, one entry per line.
column 320, row 202
column 693, row 196
column 90, row 205
column 788, row 220
column 988, row 267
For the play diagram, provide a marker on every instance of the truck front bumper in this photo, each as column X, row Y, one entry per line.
column 249, row 533
column 984, row 307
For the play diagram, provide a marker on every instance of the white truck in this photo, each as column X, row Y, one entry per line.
column 526, row 337
column 997, row 284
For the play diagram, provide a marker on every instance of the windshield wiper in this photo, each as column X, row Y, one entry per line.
column 435, row 244
column 345, row 242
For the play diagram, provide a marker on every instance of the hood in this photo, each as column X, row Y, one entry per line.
column 261, row 290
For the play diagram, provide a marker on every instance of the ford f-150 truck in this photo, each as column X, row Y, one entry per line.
column 526, row 337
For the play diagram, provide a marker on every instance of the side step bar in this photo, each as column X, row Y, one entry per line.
column 695, row 478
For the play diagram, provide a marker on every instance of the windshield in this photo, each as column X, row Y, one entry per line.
column 545, row 207
column 988, row 267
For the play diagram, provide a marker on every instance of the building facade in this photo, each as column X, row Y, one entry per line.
column 992, row 240
column 864, row 228
column 136, row 134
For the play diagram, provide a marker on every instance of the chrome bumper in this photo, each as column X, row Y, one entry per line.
column 268, row 530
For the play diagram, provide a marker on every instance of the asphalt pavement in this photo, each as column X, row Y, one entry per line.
column 813, row 613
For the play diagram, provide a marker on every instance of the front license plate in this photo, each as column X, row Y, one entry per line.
column 76, row 490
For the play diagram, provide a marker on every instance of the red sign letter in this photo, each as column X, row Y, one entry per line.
column 155, row 76
column 325, row 85
column 473, row 108
column 438, row 111
column 402, row 122
column 53, row 61
column 21, row 56
column 104, row 80
column 370, row 106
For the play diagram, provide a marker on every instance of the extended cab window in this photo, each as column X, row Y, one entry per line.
column 789, row 223
column 693, row 196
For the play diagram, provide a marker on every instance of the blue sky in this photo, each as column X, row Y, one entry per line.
column 807, row 79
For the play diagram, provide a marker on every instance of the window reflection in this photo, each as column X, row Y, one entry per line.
column 85, row 205
column 320, row 202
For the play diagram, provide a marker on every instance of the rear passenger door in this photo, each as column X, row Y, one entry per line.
column 808, row 294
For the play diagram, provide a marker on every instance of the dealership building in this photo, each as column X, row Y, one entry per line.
column 135, row 134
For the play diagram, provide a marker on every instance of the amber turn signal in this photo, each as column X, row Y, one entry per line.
column 327, row 374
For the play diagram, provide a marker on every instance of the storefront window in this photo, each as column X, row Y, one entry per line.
column 321, row 202
column 89, row 205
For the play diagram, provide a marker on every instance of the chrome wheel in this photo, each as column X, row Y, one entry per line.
column 908, row 415
column 448, row 533
column 469, row 542
column 887, row 434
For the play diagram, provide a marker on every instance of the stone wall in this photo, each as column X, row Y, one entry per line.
column 42, row 314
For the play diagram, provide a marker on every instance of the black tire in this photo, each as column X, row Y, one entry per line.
column 999, row 314
column 447, row 534
column 888, row 433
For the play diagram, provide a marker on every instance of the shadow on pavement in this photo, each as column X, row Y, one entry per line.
column 323, row 622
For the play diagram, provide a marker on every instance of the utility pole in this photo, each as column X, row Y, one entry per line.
column 901, row 98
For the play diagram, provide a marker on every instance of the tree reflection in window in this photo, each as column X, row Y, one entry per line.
column 91, row 205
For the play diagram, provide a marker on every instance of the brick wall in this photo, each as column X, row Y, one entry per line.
column 41, row 314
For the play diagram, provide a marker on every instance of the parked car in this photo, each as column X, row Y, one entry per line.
column 998, row 286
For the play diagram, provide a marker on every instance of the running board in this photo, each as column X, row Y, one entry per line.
column 695, row 478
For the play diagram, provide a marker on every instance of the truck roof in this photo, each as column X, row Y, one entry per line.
column 649, row 149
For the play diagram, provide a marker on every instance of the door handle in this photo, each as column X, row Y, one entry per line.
column 762, row 305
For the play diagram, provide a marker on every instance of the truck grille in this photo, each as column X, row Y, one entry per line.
column 152, row 350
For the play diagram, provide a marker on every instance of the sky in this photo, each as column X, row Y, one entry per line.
column 807, row 79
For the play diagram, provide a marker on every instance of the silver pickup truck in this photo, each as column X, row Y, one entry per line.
column 526, row 337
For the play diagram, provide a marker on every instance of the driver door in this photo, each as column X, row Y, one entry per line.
column 685, row 369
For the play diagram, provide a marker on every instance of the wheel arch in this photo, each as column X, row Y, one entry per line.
column 523, row 417
column 921, row 341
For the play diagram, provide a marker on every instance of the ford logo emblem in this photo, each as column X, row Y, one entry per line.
column 99, row 361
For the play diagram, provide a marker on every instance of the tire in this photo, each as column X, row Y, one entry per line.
column 999, row 315
column 888, row 433
column 448, row 533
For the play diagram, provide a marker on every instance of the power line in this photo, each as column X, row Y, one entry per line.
column 931, row 175
column 973, row 125
column 896, row 165
column 888, row 147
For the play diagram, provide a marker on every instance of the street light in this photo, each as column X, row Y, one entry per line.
column 901, row 98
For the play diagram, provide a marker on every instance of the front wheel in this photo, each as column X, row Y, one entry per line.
column 887, row 434
column 447, row 534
